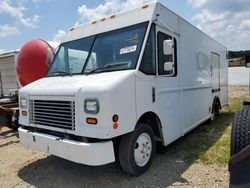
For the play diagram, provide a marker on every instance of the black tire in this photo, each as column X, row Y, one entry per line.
column 240, row 135
column 215, row 110
column 246, row 107
column 127, row 148
column 13, row 120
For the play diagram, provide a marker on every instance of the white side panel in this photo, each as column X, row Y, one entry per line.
column 169, row 110
column 223, row 78
column 196, row 75
column 8, row 74
column 185, row 101
column 144, row 94
column 168, row 93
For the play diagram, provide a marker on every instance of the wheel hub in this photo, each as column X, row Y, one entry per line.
column 143, row 149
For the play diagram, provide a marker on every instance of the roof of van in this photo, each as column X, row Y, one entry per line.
column 133, row 16
column 143, row 13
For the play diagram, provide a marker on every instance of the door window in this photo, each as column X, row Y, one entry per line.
column 162, row 58
column 148, row 61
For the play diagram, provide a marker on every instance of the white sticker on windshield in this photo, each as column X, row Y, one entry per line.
column 128, row 49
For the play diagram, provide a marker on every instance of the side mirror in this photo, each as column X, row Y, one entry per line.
column 248, row 65
column 169, row 66
column 168, row 46
column 247, row 58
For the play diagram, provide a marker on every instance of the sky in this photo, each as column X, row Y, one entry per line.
column 228, row 21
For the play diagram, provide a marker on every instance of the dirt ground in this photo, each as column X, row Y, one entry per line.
column 22, row 167
column 237, row 91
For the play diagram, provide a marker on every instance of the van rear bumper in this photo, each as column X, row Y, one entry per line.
column 93, row 154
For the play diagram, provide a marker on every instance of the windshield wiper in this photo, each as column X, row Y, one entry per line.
column 94, row 70
column 62, row 73
column 104, row 68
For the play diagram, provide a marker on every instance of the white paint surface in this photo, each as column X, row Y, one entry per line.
column 238, row 76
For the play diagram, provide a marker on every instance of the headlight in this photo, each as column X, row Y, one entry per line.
column 23, row 103
column 91, row 106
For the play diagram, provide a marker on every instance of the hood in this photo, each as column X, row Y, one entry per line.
column 70, row 85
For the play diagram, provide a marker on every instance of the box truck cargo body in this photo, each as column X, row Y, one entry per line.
column 8, row 76
column 121, row 84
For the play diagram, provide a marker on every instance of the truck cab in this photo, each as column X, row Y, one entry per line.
column 115, row 86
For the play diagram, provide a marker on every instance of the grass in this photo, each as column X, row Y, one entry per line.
column 210, row 142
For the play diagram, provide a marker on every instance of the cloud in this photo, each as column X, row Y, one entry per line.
column 228, row 21
column 87, row 14
column 8, row 30
column 38, row 1
column 2, row 51
column 16, row 12
column 245, row 25
column 108, row 7
column 59, row 35
column 206, row 16
column 31, row 22
column 196, row 3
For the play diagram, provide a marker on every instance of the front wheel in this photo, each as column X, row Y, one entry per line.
column 137, row 149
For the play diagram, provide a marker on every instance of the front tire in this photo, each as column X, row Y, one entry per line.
column 137, row 150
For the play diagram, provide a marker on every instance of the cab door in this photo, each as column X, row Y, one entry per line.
column 167, row 87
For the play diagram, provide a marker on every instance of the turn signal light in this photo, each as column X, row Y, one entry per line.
column 145, row 6
column 115, row 126
column 115, row 118
column 92, row 121
column 24, row 113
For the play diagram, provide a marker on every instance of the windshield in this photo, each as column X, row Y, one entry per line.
column 110, row 51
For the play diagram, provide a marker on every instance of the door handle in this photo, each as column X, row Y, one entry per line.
column 153, row 94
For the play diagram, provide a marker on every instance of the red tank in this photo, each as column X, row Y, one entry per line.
column 33, row 61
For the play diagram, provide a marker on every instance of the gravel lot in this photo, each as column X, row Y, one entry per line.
column 22, row 167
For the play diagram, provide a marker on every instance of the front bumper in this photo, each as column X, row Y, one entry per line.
column 93, row 154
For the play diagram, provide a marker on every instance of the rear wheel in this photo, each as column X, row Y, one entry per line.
column 215, row 110
column 137, row 149
column 240, row 137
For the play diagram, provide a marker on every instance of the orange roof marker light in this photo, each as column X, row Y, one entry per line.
column 145, row 6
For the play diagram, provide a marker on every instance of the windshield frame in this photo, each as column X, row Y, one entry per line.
column 57, row 54
column 143, row 24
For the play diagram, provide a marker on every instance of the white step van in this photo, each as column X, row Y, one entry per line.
column 122, row 83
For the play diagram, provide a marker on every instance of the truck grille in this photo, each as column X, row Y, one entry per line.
column 58, row 114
